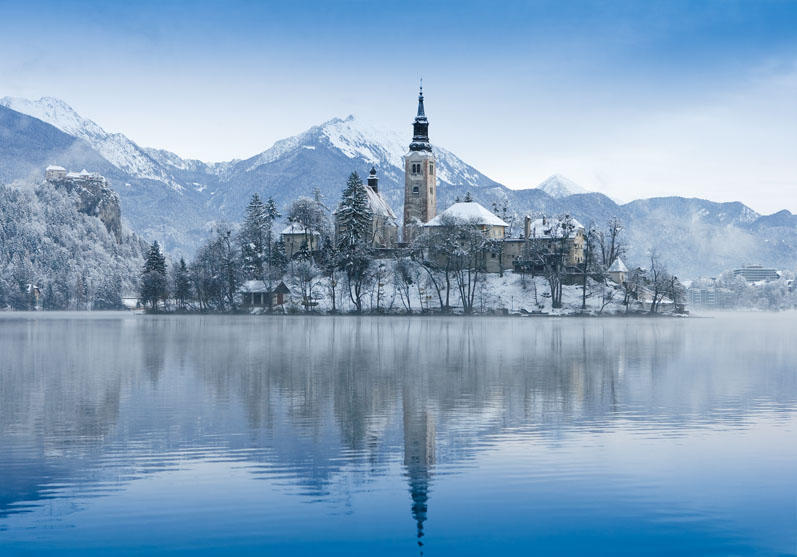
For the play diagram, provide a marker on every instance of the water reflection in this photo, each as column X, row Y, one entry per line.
column 327, row 407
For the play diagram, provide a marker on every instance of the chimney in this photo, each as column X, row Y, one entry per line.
column 527, row 228
column 373, row 181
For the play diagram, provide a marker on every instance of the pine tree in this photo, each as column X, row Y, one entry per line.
column 153, row 277
column 252, row 239
column 271, row 215
column 353, row 216
column 108, row 294
column 354, row 229
column 182, row 283
column 279, row 258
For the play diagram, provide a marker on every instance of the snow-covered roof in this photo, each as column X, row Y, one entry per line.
column 542, row 228
column 254, row 286
column 468, row 211
column 378, row 205
column 618, row 266
column 297, row 228
column 55, row 167
column 72, row 175
column 85, row 172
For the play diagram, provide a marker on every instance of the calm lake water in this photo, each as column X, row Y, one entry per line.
column 123, row 434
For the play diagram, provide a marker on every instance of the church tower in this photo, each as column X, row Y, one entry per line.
column 420, row 183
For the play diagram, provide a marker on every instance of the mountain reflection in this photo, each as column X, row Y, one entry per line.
column 321, row 401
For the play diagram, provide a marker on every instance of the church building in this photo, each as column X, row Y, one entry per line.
column 384, row 228
column 420, row 183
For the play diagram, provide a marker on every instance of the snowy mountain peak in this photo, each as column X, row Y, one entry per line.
column 370, row 145
column 56, row 113
column 558, row 186
column 116, row 148
column 356, row 138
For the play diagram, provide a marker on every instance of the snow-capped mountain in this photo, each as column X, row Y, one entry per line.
column 557, row 186
column 178, row 200
column 114, row 147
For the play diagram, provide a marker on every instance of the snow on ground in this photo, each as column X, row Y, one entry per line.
column 511, row 293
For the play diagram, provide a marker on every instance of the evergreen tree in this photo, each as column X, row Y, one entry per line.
column 181, row 284
column 153, row 277
column 353, row 215
column 279, row 258
column 252, row 239
column 108, row 294
column 271, row 215
column 354, row 229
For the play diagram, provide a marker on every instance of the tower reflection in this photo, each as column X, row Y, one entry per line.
column 419, row 453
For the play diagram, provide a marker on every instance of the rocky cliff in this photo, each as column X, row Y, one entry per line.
column 95, row 197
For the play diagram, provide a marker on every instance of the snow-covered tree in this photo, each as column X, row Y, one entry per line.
column 252, row 239
column 46, row 242
column 154, row 286
column 353, row 237
column 312, row 216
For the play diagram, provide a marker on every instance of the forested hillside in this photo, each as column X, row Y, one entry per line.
column 72, row 258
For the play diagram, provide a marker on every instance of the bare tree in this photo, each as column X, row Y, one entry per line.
column 379, row 283
column 312, row 216
column 631, row 287
column 550, row 252
column 607, row 296
column 304, row 274
column 611, row 242
column 468, row 261
column 676, row 292
column 587, row 266
column 434, row 250
column 406, row 275
column 659, row 280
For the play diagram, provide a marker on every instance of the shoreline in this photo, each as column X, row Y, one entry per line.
column 514, row 315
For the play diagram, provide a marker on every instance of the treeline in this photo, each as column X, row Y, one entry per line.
column 210, row 282
column 54, row 257
column 337, row 268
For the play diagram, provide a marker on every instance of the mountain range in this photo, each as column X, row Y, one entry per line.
column 178, row 201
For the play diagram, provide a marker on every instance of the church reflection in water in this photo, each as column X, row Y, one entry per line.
column 419, row 454
column 323, row 398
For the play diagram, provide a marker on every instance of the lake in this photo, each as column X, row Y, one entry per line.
column 125, row 434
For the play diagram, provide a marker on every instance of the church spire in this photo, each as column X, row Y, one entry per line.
column 420, row 128
column 421, row 113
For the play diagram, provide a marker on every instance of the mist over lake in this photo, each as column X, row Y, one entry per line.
column 129, row 434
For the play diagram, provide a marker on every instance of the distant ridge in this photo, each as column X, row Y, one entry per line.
column 177, row 201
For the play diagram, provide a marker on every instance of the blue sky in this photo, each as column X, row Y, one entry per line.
column 633, row 99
